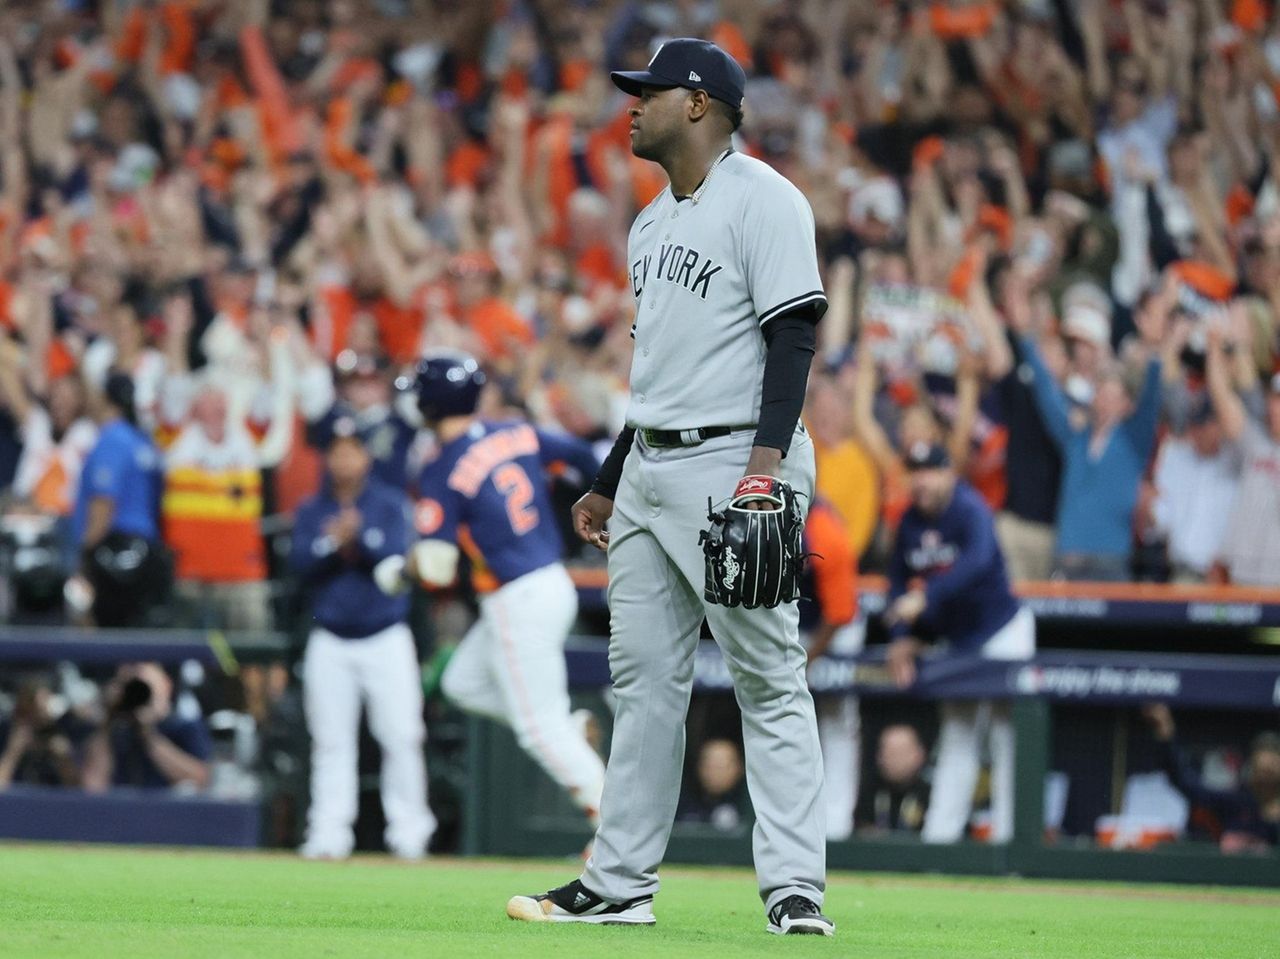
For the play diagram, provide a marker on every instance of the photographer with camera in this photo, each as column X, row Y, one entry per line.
column 124, row 572
column 144, row 742
column 37, row 748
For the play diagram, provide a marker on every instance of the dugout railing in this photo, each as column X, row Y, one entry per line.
column 513, row 810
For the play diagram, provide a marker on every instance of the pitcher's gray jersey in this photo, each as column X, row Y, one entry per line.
column 707, row 276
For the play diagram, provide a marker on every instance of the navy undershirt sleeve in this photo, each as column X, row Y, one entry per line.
column 790, row 340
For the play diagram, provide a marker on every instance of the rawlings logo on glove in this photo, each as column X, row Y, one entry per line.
column 754, row 557
column 731, row 568
column 754, row 485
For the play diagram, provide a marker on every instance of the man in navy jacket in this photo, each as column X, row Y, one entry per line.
column 359, row 651
column 947, row 581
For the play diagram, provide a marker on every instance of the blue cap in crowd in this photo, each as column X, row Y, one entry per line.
column 927, row 456
column 343, row 427
column 692, row 64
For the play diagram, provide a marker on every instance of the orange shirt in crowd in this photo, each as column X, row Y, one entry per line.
column 962, row 22
column 647, row 179
column 281, row 125
column 399, row 328
column 6, row 305
column 331, row 327
column 1204, row 278
column 499, row 327
column 300, row 472
column 212, row 507
column 466, row 164
column 986, row 472
column 49, row 469
column 835, row 565
column 598, row 265
column 847, row 481
column 338, row 150
column 176, row 20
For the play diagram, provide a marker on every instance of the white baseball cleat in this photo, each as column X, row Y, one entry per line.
column 797, row 915
column 576, row 903
column 322, row 851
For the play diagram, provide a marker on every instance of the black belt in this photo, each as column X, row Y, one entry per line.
column 659, row 438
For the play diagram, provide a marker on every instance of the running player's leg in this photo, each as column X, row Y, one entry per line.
column 331, row 698
column 654, row 619
column 469, row 681
column 955, row 774
column 392, row 687
column 529, row 620
column 762, row 650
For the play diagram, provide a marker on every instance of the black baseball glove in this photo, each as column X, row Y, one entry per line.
column 755, row 557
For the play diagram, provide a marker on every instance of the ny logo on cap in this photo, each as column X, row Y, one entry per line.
column 694, row 77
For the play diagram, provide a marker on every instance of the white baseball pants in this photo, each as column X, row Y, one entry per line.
column 840, row 732
column 656, row 574
column 382, row 673
column 510, row 667
column 959, row 741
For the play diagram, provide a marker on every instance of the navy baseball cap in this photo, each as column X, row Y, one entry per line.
column 343, row 427
column 926, row 456
column 689, row 63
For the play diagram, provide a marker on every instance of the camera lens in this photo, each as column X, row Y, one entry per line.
column 135, row 694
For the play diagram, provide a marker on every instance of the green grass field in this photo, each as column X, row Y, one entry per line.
column 100, row 902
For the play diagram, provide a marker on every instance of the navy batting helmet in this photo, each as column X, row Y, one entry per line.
column 448, row 383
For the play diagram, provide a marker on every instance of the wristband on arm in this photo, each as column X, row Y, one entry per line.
column 610, row 473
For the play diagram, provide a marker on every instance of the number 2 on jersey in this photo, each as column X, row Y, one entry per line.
column 513, row 482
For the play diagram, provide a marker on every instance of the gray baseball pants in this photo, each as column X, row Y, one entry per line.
column 656, row 610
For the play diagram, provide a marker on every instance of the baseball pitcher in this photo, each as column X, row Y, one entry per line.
column 724, row 270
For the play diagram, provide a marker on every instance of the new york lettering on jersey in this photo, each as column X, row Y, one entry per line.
column 707, row 272
column 487, row 492
column 684, row 267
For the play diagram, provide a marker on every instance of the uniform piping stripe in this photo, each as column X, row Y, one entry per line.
column 792, row 303
column 522, row 700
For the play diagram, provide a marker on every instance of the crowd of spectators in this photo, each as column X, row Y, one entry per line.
column 1049, row 231
column 255, row 213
